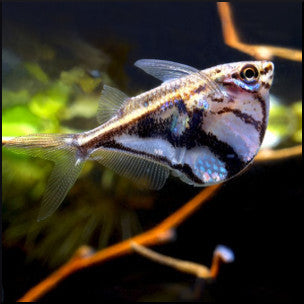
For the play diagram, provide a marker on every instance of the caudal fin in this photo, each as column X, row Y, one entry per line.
column 67, row 164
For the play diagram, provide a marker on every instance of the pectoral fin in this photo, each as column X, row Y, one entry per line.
column 140, row 170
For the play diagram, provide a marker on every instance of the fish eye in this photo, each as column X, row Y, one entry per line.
column 249, row 73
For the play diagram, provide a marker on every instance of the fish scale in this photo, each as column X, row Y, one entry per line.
column 204, row 127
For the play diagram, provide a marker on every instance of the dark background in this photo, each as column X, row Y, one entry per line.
column 257, row 214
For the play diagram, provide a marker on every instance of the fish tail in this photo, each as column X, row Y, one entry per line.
column 64, row 151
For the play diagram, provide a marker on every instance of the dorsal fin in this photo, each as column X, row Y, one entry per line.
column 169, row 70
column 164, row 70
column 110, row 101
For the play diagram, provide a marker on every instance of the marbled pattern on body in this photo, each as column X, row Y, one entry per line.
column 211, row 114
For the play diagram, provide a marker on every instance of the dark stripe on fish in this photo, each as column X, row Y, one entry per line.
column 223, row 152
column 217, row 99
column 248, row 119
column 220, row 149
column 201, row 88
column 137, row 101
column 265, row 85
column 181, row 106
column 266, row 70
column 197, row 137
column 193, row 136
column 186, row 169
column 262, row 102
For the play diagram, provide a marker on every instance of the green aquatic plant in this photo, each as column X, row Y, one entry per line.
column 285, row 122
column 285, row 125
column 56, row 104
column 297, row 110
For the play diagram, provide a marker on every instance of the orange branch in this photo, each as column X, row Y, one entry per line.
column 260, row 52
column 156, row 235
column 268, row 155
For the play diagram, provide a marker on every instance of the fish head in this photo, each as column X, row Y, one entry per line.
column 239, row 108
column 244, row 78
column 243, row 86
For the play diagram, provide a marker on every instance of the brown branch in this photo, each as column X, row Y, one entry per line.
column 268, row 155
column 156, row 235
column 260, row 52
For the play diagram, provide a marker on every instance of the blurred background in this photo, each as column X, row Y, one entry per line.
column 56, row 57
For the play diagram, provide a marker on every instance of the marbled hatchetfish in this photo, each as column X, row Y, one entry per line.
column 203, row 126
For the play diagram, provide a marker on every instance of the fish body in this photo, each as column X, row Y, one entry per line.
column 202, row 126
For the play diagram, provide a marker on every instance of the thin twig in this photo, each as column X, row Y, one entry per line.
column 222, row 254
column 260, row 52
column 156, row 235
column 198, row 270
